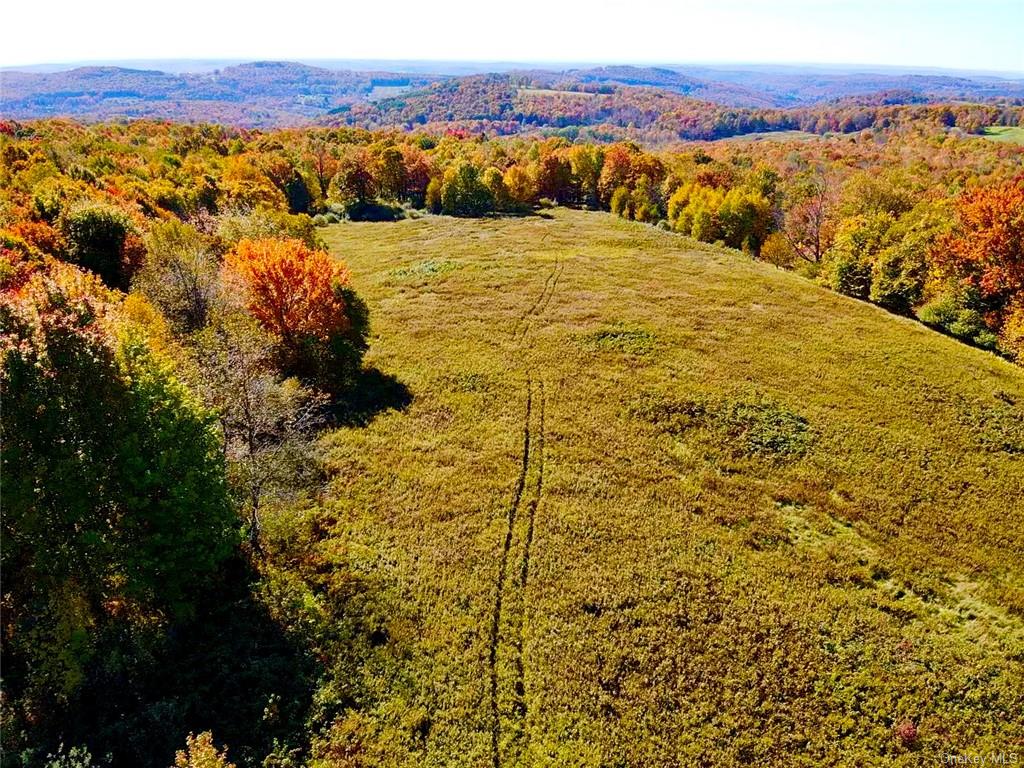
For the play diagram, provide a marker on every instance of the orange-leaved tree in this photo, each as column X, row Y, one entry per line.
column 985, row 252
column 987, row 247
column 303, row 298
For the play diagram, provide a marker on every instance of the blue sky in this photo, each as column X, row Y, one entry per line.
column 963, row 34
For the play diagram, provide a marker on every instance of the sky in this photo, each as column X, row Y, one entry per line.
column 955, row 34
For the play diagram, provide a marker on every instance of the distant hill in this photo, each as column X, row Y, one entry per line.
column 792, row 87
column 254, row 94
column 265, row 94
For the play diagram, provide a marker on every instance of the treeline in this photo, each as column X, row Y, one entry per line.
column 169, row 352
column 886, row 218
column 500, row 104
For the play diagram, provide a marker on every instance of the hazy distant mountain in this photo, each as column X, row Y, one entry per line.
column 258, row 93
column 286, row 93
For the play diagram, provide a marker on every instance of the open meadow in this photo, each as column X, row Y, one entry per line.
column 646, row 502
column 1005, row 133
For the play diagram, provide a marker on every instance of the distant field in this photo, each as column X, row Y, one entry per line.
column 1010, row 134
column 774, row 136
column 552, row 92
column 379, row 92
column 654, row 504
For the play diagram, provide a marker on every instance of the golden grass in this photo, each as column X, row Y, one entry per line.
column 585, row 586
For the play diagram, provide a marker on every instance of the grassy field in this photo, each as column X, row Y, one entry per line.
column 654, row 504
column 553, row 92
column 379, row 92
column 1009, row 134
column 773, row 136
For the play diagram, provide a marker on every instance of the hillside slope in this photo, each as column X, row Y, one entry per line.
column 279, row 93
column 653, row 504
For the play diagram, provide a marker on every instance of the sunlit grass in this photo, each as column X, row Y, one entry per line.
column 1006, row 133
column 686, row 599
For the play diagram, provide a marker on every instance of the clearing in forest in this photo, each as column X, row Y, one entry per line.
column 655, row 504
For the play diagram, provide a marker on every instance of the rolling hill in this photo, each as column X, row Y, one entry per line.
column 254, row 94
column 269, row 93
column 652, row 503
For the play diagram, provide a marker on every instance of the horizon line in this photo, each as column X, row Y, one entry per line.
column 311, row 61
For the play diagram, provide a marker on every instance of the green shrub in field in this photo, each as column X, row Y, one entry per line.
column 763, row 428
column 425, row 269
column 621, row 338
column 997, row 427
column 959, row 313
column 757, row 428
column 373, row 210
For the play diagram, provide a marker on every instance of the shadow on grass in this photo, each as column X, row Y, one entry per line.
column 372, row 393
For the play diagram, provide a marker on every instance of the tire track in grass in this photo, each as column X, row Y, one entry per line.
column 559, row 267
column 522, row 324
column 533, row 452
column 542, row 302
column 519, row 704
column 513, row 510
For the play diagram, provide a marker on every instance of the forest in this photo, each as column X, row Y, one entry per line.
column 919, row 220
column 648, row 104
column 181, row 337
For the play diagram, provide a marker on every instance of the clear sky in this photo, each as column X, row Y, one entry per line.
column 963, row 34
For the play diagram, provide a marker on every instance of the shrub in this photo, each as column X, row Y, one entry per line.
column 463, row 193
column 847, row 265
column 846, row 273
column 960, row 313
column 75, row 757
column 263, row 222
column 432, row 198
column 756, row 428
column 200, row 752
column 18, row 260
column 644, row 201
column 495, row 183
column 374, row 211
column 520, row 186
column 297, row 194
column 897, row 277
column 746, row 217
column 777, row 250
column 620, row 203
column 1011, row 337
column 102, row 239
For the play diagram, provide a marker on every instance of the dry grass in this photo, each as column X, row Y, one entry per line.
column 618, row 592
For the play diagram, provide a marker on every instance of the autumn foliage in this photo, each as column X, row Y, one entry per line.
column 987, row 247
column 290, row 287
column 301, row 297
column 109, row 461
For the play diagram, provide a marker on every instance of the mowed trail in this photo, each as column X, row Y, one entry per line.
column 576, row 583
